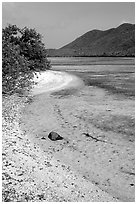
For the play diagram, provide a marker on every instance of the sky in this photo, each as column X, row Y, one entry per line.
column 62, row 22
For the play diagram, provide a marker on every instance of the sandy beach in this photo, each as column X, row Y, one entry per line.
column 76, row 169
column 53, row 80
column 68, row 102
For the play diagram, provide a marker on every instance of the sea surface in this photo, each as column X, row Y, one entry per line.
column 95, row 64
column 114, row 74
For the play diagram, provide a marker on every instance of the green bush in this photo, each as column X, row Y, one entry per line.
column 23, row 55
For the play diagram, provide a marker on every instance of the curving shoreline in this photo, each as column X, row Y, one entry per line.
column 64, row 171
column 53, row 80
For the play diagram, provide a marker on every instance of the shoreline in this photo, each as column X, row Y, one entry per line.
column 29, row 160
column 53, row 80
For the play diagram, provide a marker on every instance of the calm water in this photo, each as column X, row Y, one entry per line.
column 95, row 64
column 91, row 60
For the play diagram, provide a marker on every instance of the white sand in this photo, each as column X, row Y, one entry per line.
column 51, row 80
column 30, row 174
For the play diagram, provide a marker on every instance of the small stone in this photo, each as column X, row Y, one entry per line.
column 54, row 136
column 110, row 160
column 43, row 138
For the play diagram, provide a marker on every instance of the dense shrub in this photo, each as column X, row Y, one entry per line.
column 23, row 55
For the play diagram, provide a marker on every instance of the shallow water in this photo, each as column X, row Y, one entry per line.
column 93, row 64
column 114, row 74
column 78, row 61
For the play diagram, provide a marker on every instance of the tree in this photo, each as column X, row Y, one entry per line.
column 23, row 54
column 33, row 49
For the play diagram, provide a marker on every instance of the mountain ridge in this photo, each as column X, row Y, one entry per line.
column 118, row 41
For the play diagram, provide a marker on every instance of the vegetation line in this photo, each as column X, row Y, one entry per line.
column 23, row 55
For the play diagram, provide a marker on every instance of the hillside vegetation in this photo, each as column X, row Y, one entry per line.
column 118, row 41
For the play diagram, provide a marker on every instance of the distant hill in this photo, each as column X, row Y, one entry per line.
column 118, row 41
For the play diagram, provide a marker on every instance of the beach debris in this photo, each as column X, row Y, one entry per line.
column 94, row 138
column 54, row 136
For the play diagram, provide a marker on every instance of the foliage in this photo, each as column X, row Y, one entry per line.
column 23, row 54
